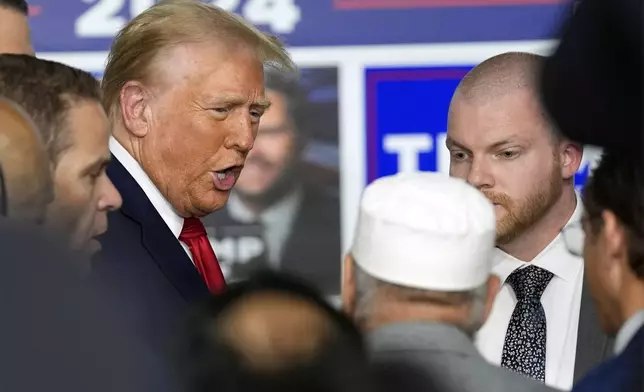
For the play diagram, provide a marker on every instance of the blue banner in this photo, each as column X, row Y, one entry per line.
column 407, row 120
column 90, row 25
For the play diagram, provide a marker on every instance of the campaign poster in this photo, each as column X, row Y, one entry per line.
column 284, row 212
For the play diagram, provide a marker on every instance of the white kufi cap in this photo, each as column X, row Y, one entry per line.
column 425, row 230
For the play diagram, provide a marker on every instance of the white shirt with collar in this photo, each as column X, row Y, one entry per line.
column 163, row 207
column 628, row 331
column 561, row 302
column 277, row 221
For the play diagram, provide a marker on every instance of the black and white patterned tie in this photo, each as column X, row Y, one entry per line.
column 524, row 350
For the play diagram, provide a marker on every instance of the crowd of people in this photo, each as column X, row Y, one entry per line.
column 498, row 277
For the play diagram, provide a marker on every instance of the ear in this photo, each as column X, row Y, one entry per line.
column 615, row 263
column 493, row 286
column 348, row 289
column 135, row 109
column 570, row 155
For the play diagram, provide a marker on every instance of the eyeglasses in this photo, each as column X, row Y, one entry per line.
column 574, row 236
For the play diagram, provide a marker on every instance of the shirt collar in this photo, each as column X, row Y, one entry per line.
column 163, row 207
column 627, row 331
column 554, row 258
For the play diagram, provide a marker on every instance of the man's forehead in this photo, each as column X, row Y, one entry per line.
column 87, row 125
column 192, row 62
column 487, row 140
column 484, row 128
column 88, row 112
column 515, row 100
column 493, row 122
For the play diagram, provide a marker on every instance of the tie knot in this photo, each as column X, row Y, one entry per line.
column 192, row 228
column 529, row 283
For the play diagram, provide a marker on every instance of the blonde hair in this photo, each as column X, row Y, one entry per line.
column 175, row 22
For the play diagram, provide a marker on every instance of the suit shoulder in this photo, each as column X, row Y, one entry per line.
column 621, row 373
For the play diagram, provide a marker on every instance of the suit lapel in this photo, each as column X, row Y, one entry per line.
column 593, row 346
column 161, row 244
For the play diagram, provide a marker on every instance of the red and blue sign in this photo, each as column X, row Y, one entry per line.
column 415, row 4
column 90, row 25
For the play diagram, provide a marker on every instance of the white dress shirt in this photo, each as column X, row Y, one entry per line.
column 628, row 331
column 163, row 207
column 561, row 302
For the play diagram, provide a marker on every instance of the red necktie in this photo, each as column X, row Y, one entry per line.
column 194, row 235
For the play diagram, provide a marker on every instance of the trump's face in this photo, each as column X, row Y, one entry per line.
column 504, row 148
column 200, row 120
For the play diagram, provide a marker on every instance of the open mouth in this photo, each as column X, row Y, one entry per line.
column 225, row 179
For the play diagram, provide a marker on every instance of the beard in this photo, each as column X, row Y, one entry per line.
column 523, row 214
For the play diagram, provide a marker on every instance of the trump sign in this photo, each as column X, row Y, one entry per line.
column 407, row 120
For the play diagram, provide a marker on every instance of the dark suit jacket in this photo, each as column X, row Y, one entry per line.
column 312, row 250
column 621, row 374
column 145, row 265
column 59, row 333
column 593, row 345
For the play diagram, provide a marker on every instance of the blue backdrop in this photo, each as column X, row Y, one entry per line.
column 406, row 108
column 89, row 25
column 406, row 114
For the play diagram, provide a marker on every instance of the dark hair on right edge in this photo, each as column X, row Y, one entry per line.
column 16, row 5
column 617, row 185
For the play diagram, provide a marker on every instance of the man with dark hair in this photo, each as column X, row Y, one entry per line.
column 65, row 104
column 14, row 27
column 295, row 223
column 613, row 225
column 272, row 333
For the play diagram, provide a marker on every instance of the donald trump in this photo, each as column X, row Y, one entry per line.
column 184, row 90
